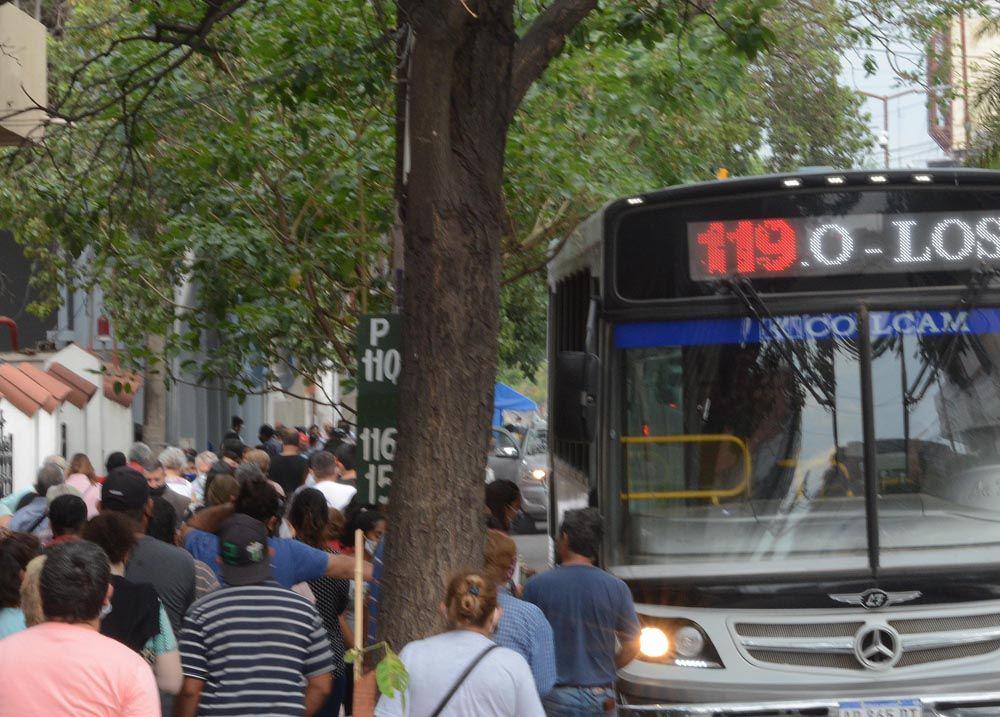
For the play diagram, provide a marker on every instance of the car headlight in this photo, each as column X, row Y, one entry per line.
column 676, row 641
column 538, row 474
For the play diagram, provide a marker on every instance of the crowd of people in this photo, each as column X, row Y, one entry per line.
column 206, row 584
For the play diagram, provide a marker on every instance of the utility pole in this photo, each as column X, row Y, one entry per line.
column 884, row 140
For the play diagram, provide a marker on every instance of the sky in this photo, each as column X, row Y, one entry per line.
column 909, row 143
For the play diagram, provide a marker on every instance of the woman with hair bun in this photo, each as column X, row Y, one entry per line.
column 462, row 671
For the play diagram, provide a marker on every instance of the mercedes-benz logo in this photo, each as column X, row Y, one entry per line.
column 878, row 647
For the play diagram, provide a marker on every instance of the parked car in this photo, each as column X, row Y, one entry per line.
column 508, row 462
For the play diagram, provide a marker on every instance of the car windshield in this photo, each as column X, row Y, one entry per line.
column 536, row 442
column 742, row 439
column 503, row 444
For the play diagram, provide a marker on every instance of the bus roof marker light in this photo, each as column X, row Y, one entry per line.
column 923, row 178
column 791, row 183
column 878, row 179
column 836, row 179
column 634, row 200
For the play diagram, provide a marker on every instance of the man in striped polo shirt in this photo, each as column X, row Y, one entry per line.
column 252, row 647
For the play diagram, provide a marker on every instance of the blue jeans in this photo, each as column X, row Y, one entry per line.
column 580, row 702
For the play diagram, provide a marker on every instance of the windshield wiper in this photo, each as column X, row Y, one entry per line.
column 977, row 284
column 794, row 354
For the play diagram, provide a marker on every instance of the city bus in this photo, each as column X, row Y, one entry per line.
column 783, row 395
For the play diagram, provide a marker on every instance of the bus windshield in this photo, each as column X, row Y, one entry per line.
column 742, row 439
column 937, row 427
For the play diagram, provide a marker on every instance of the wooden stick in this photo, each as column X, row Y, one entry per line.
column 359, row 600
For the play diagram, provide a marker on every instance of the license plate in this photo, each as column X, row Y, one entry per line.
column 885, row 708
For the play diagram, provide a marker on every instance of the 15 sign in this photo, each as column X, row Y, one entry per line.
column 379, row 367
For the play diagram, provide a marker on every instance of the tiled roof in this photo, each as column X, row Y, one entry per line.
column 72, row 378
column 21, row 401
column 50, row 383
column 82, row 390
column 29, row 388
column 18, row 382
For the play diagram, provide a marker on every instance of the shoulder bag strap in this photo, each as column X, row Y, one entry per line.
column 464, row 676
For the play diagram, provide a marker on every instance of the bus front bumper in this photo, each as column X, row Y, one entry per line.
column 975, row 704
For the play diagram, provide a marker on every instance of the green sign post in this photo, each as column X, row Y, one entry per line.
column 379, row 365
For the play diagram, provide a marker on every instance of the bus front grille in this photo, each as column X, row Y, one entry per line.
column 802, row 629
column 834, row 645
column 831, row 660
column 914, row 626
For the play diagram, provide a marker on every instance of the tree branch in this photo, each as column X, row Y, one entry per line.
column 541, row 43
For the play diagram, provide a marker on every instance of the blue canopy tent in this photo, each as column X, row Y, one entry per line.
column 507, row 399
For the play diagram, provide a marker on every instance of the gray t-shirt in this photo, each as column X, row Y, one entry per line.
column 500, row 686
column 170, row 570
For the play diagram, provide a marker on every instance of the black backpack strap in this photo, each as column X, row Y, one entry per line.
column 464, row 676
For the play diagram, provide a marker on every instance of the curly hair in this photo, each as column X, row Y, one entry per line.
column 258, row 499
column 310, row 517
column 470, row 600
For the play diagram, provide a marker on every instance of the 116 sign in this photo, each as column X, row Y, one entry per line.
column 379, row 366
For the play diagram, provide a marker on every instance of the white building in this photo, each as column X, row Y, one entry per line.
column 70, row 401
column 104, row 424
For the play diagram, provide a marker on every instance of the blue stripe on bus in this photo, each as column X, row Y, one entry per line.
column 705, row 332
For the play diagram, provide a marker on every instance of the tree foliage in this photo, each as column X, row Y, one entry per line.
column 232, row 190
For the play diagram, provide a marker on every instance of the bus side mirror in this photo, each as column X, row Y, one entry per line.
column 577, row 378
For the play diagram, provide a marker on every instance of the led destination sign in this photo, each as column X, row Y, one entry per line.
column 849, row 244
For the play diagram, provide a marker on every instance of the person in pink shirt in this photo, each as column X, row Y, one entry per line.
column 83, row 477
column 64, row 666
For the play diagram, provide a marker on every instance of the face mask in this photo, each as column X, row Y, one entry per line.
column 105, row 611
column 370, row 546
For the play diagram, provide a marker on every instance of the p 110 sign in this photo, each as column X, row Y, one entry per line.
column 849, row 244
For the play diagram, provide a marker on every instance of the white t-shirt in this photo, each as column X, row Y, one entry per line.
column 182, row 486
column 501, row 685
column 337, row 494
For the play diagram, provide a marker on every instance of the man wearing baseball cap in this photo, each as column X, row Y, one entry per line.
column 247, row 646
column 167, row 568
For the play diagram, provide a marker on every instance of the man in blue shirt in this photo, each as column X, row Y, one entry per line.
column 292, row 561
column 522, row 626
column 589, row 611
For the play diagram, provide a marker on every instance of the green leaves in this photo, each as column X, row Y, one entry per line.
column 391, row 674
column 243, row 209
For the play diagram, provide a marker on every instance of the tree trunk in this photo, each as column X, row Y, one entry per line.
column 459, row 94
column 154, row 401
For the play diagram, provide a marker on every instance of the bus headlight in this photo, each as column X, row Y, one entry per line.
column 538, row 474
column 689, row 641
column 677, row 642
column 653, row 642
